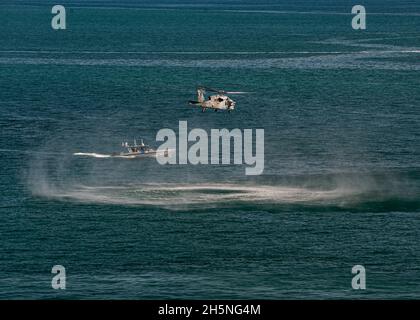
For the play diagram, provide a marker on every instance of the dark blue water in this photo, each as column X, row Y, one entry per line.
column 341, row 185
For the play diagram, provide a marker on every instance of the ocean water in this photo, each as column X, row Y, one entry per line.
column 341, row 185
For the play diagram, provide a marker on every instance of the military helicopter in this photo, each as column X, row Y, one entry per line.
column 218, row 101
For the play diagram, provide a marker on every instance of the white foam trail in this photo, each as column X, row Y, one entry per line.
column 144, row 155
column 91, row 154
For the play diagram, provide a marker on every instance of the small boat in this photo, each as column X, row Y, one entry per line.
column 136, row 150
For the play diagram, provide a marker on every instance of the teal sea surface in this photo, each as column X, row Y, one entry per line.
column 341, row 184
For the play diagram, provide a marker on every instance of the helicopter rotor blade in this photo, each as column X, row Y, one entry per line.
column 222, row 91
column 236, row 92
column 210, row 89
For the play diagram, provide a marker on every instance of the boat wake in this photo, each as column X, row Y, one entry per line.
column 99, row 155
column 92, row 154
column 123, row 156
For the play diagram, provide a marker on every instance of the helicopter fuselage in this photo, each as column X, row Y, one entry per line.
column 219, row 101
column 216, row 102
